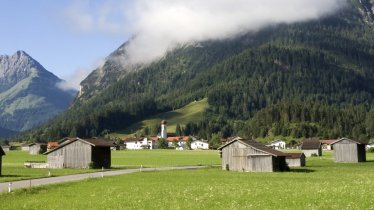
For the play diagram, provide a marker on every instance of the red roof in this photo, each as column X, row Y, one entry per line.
column 177, row 138
column 52, row 144
column 327, row 141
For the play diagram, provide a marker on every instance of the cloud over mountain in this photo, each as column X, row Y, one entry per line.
column 160, row 25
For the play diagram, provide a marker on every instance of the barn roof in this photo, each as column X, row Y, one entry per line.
column 294, row 155
column 1, row 151
column 327, row 141
column 257, row 146
column 92, row 142
column 131, row 139
column 353, row 141
column 310, row 144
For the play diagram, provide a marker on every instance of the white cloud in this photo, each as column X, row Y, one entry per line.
column 160, row 25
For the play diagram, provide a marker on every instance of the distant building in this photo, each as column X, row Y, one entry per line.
column 295, row 159
column 139, row 143
column 6, row 148
column 2, row 153
column 164, row 133
column 326, row 144
column 229, row 139
column 52, row 145
column 310, row 147
column 347, row 150
column 199, row 144
column 277, row 144
column 37, row 148
column 25, row 147
column 370, row 145
column 251, row 156
column 81, row 153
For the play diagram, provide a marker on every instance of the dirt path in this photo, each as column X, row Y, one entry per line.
column 4, row 187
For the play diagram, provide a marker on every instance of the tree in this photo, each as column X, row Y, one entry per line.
column 162, row 143
column 178, row 130
column 175, row 143
column 215, row 141
column 189, row 142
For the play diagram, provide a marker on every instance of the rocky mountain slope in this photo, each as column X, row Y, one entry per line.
column 28, row 93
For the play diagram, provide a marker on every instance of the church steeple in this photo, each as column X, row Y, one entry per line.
column 164, row 133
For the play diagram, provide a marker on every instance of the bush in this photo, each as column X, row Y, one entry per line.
column 314, row 155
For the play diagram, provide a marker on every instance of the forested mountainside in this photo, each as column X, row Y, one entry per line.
column 307, row 79
column 28, row 94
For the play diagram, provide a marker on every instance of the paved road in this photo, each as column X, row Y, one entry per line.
column 4, row 187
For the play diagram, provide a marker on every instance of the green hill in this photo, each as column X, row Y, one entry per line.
column 311, row 78
column 192, row 112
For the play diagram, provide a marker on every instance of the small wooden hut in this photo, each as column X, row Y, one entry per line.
column 2, row 153
column 295, row 159
column 248, row 155
column 310, row 147
column 37, row 148
column 81, row 153
column 347, row 150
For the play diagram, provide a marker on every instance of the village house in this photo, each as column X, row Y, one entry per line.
column 199, row 144
column 52, row 145
column 311, row 147
column 295, row 159
column 251, row 156
column 37, row 148
column 180, row 141
column 2, row 153
column 277, row 144
column 139, row 143
column 348, row 150
column 370, row 145
column 326, row 144
column 81, row 153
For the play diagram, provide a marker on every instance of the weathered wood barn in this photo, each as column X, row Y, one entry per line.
column 310, row 147
column 37, row 148
column 347, row 150
column 295, row 159
column 81, row 153
column 248, row 155
column 2, row 153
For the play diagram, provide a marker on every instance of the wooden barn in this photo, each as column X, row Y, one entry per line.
column 37, row 148
column 81, row 153
column 351, row 151
column 248, row 155
column 2, row 153
column 25, row 147
column 295, row 159
column 310, row 147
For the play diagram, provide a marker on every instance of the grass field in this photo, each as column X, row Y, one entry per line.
column 323, row 184
column 189, row 113
column 13, row 168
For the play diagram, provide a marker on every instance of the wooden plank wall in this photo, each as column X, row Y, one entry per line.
column 77, row 155
column 1, row 160
column 235, row 158
column 309, row 152
column 56, row 159
column 345, row 151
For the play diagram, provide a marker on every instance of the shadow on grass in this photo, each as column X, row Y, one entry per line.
column 301, row 170
column 11, row 176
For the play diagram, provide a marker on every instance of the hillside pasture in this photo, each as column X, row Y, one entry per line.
column 192, row 112
column 323, row 184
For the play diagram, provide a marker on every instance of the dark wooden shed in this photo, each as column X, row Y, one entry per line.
column 2, row 153
column 248, row 155
column 348, row 150
column 295, row 159
column 81, row 153
column 310, row 147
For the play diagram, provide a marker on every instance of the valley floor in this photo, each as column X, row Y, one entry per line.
column 323, row 184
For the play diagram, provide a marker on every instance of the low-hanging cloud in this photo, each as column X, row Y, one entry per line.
column 160, row 25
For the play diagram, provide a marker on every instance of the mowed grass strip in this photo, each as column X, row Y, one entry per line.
column 322, row 185
column 13, row 162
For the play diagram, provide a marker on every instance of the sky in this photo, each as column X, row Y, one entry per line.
column 72, row 37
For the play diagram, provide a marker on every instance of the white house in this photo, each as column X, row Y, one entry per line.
column 199, row 144
column 370, row 145
column 277, row 144
column 139, row 143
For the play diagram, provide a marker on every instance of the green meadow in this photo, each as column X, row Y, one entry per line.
column 13, row 168
column 323, row 184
